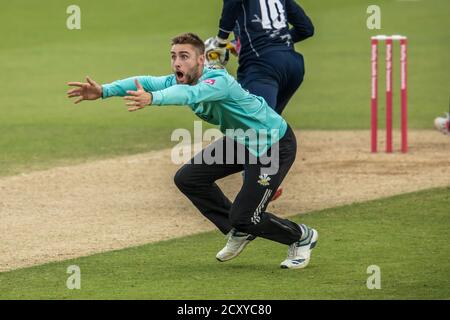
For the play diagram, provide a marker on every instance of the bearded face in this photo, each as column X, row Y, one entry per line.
column 187, row 63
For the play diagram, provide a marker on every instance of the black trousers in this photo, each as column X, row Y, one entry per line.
column 196, row 179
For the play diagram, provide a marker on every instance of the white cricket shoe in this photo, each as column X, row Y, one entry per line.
column 236, row 243
column 443, row 124
column 299, row 253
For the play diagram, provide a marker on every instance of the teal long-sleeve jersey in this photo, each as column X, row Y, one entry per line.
column 218, row 99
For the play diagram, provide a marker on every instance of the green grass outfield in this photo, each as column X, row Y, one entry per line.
column 406, row 236
column 40, row 128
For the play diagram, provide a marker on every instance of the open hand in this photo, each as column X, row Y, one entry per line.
column 139, row 98
column 85, row 91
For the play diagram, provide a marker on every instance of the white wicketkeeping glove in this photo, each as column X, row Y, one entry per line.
column 217, row 51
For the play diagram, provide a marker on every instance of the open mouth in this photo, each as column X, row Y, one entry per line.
column 179, row 75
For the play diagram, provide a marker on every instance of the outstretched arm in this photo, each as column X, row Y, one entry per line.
column 119, row 88
column 207, row 90
column 214, row 89
column 91, row 90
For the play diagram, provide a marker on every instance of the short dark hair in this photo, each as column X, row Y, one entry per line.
column 192, row 39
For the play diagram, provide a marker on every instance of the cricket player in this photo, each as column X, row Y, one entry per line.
column 217, row 98
column 269, row 66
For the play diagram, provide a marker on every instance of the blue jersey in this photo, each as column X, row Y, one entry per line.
column 218, row 99
column 263, row 25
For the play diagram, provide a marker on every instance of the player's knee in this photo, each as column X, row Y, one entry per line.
column 181, row 179
column 189, row 182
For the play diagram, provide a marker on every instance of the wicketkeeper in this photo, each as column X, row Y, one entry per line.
column 217, row 98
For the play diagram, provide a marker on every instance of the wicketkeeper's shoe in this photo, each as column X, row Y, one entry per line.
column 443, row 124
column 299, row 253
column 236, row 243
